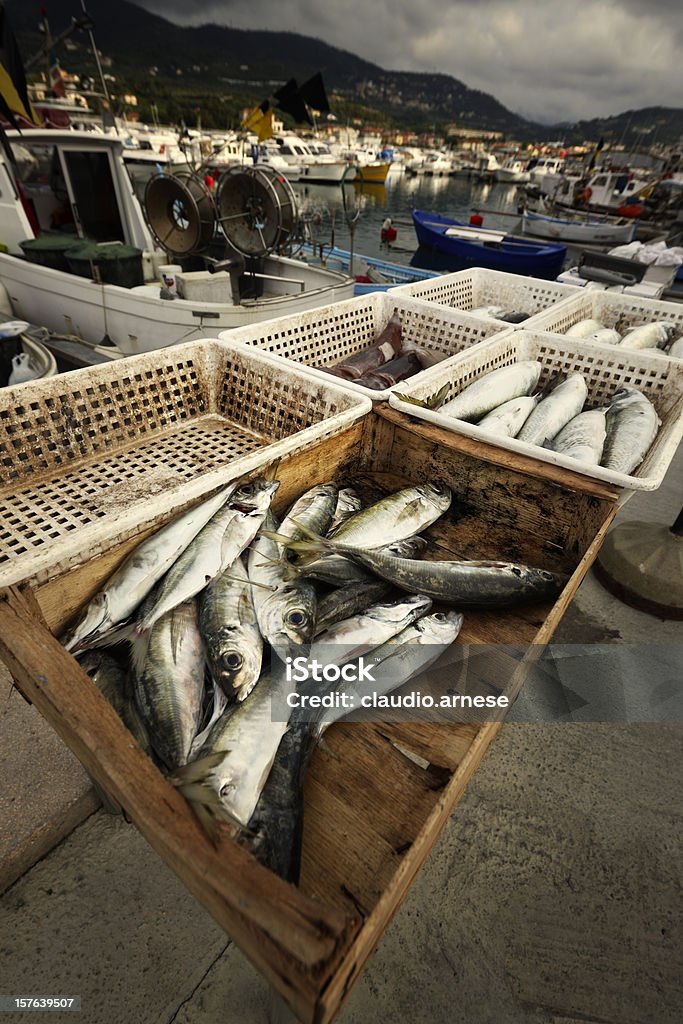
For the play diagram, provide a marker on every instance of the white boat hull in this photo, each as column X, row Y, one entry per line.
column 586, row 232
column 138, row 320
column 509, row 177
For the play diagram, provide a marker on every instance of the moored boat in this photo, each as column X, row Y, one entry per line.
column 588, row 230
column 464, row 246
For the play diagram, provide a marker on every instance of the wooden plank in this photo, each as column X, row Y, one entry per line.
column 498, row 456
column 292, row 939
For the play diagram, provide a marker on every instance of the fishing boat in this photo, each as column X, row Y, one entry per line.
column 464, row 246
column 61, row 188
column 587, row 230
column 512, row 172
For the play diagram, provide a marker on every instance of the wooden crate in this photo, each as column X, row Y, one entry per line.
column 372, row 815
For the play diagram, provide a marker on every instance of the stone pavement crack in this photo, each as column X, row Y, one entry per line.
column 201, row 981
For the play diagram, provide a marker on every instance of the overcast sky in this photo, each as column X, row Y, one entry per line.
column 550, row 60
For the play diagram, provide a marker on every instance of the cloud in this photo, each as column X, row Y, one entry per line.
column 550, row 61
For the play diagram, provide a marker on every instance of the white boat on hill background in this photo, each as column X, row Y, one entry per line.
column 67, row 187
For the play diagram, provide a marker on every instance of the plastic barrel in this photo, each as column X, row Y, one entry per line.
column 49, row 250
column 116, row 263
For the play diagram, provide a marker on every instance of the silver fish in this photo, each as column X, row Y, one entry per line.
column 483, row 584
column 115, row 685
column 397, row 516
column 285, row 604
column 352, row 637
column 348, row 600
column 493, row 389
column 564, row 402
column 228, row 624
column 141, row 571
column 632, row 424
column 583, row 438
column 315, row 510
column 214, row 549
column 228, row 777
column 605, row 336
column 509, row 418
column 348, row 504
column 654, row 335
column 584, row 328
column 169, row 687
column 338, row 570
column 496, row 312
column 400, row 659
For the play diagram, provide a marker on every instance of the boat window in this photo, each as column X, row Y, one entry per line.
column 286, row 150
column 95, row 196
column 600, row 180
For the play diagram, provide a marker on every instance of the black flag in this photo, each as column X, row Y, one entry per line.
column 313, row 93
column 289, row 99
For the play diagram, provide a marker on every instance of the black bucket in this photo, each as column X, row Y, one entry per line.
column 112, row 262
column 49, row 250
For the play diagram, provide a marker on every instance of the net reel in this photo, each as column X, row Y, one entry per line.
column 256, row 209
column 180, row 212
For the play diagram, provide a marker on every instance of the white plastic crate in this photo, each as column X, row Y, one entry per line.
column 604, row 369
column 613, row 309
column 469, row 289
column 91, row 457
column 325, row 336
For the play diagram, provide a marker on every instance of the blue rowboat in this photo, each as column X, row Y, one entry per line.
column 384, row 275
column 464, row 246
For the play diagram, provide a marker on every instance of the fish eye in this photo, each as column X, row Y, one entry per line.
column 225, row 789
column 516, row 570
column 297, row 618
column 547, row 575
column 232, row 660
column 439, row 616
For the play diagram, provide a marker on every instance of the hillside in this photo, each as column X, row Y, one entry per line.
column 217, row 70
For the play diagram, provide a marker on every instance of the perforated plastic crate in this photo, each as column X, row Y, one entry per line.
column 323, row 337
column 88, row 458
column 604, row 369
column 469, row 289
column 613, row 309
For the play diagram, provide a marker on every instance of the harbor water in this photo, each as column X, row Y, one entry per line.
column 329, row 212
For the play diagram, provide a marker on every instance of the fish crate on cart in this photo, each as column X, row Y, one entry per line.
column 90, row 457
column 371, row 813
column 470, row 289
column 323, row 337
column 612, row 309
column 605, row 368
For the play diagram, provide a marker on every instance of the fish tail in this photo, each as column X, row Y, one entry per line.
column 312, row 542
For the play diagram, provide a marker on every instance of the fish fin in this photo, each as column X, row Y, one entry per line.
column 312, row 542
column 271, row 470
column 139, row 645
column 197, row 771
column 122, row 631
column 433, row 402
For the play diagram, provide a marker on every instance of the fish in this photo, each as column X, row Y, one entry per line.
column 397, row 516
column 385, row 346
column 606, row 336
column 583, row 438
column 213, row 550
column 493, row 389
column 315, row 509
column 348, row 600
column 400, row 659
column 564, row 402
column 509, row 418
column 357, row 635
column 229, row 627
column 476, row 584
column 114, row 684
column 632, row 424
column 275, row 829
column 225, row 781
column 676, row 349
column 584, row 328
column 348, row 504
column 398, row 369
column 513, row 316
column 285, row 604
column 653, row 335
column 339, row 570
column 169, row 687
column 130, row 584
column 494, row 312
